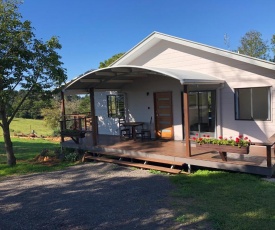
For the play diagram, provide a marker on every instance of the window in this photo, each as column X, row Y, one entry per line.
column 252, row 103
column 115, row 104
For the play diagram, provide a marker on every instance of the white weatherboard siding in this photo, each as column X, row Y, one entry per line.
column 236, row 74
column 141, row 106
column 106, row 125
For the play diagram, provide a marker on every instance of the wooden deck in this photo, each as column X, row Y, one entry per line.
column 255, row 162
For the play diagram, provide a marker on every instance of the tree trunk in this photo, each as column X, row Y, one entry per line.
column 11, row 160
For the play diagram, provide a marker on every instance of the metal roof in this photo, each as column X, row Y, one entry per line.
column 116, row 77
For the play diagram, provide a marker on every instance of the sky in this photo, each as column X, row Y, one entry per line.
column 92, row 31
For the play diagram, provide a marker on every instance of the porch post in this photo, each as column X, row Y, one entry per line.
column 63, row 115
column 186, row 121
column 94, row 122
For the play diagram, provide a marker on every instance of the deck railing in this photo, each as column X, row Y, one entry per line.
column 73, row 124
column 81, row 121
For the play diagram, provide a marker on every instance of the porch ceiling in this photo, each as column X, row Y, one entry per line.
column 115, row 78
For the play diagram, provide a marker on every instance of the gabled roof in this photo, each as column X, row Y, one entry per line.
column 156, row 37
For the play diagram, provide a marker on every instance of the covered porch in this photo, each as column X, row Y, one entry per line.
column 256, row 162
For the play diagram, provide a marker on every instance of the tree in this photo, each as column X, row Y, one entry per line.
column 31, row 108
column 25, row 62
column 51, row 115
column 253, row 45
column 109, row 61
column 273, row 47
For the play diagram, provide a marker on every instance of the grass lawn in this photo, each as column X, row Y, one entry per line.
column 21, row 125
column 25, row 152
column 227, row 200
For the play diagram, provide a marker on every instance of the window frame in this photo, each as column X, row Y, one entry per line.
column 114, row 108
column 236, row 103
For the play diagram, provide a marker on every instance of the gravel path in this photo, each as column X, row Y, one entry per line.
column 89, row 196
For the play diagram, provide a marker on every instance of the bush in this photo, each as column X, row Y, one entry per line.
column 56, row 133
column 71, row 157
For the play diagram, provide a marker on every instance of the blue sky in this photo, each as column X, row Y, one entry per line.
column 92, row 31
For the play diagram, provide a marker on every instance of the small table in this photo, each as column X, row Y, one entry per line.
column 133, row 125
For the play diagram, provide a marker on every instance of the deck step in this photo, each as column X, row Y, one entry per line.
column 148, row 159
column 132, row 164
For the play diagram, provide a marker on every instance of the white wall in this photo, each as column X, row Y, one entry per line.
column 106, row 125
column 141, row 106
column 235, row 73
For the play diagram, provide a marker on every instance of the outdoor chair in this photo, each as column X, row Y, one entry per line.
column 145, row 132
column 123, row 131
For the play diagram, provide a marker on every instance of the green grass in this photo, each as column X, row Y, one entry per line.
column 227, row 200
column 21, row 125
column 25, row 152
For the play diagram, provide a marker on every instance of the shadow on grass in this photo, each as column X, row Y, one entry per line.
column 25, row 151
column 229, row 200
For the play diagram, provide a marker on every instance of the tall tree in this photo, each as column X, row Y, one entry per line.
column 109, row 61
column 25, row 62
column 252, row 44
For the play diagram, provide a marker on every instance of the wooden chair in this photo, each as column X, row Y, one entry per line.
column 123, row 131
column 145, row 133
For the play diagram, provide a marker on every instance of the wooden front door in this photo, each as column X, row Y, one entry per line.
column 163, row 115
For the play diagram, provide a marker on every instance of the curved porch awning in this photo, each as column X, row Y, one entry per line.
column 115, row 78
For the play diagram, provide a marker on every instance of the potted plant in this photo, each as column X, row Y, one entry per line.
column 238, row 145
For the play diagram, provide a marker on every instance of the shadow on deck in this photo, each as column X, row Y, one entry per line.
column 255, row 162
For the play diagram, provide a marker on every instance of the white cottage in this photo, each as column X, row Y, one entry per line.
column 180, row 88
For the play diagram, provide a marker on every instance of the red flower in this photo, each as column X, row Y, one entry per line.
column 237, row 140
column 204, row 135
column 240, row 136
column 246, row 138
column 197, row 134
column 194, row 138
column 220, row 137
column 200, row 139
column 208, row 135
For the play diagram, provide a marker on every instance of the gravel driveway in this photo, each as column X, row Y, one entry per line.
column 89, row 196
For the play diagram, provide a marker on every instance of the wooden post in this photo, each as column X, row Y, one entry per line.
column 94, row 123
column 268, row 156
column 186, row 121
column 63, row 115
